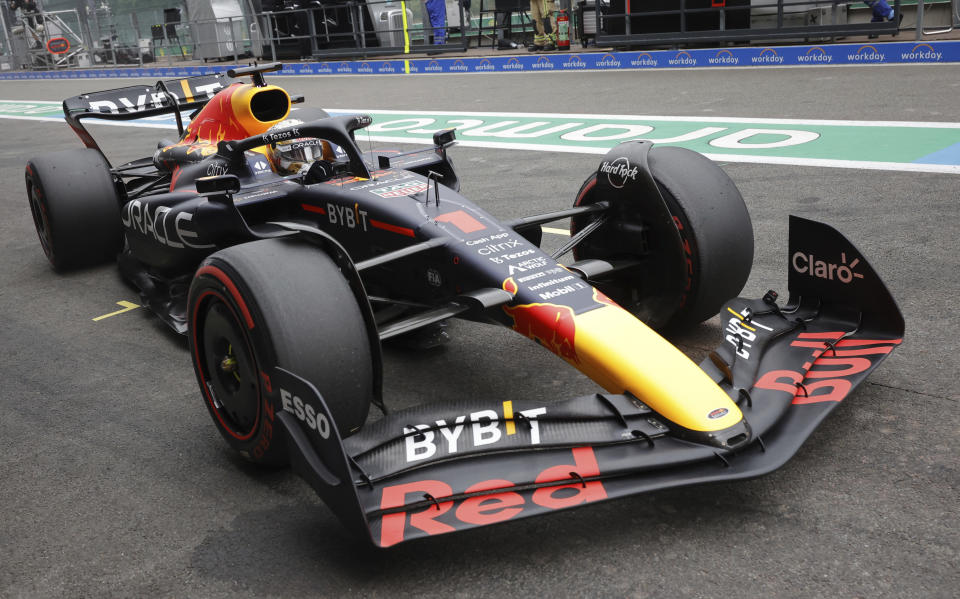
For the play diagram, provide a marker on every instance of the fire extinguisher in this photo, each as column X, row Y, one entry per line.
column 563, row 30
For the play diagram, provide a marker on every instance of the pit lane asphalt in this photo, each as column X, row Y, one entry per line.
column 114, row 482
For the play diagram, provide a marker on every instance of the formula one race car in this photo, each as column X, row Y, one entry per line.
column 287, row 255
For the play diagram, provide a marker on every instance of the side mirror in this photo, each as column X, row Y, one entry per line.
column 444, row 138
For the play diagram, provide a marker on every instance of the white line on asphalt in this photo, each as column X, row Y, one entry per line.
column 678, row 119
column 751, row 159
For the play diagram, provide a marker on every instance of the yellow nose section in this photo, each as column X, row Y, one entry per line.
column 622, row 354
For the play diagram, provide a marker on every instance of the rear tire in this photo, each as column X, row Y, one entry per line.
column 276, row 303
column 714, row 226
column 75, row 206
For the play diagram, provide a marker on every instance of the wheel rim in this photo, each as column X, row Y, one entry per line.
column 40, row 219
column 229, row 370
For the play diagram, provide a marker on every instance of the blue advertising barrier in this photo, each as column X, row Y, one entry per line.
column 829, row 54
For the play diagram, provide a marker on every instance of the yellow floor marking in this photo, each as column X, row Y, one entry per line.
column 556, row 231
column 127, row 306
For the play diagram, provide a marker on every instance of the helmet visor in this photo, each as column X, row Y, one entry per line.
column 300, row 150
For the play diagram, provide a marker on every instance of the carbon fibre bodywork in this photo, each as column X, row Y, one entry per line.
column 405, row 239
column 432, row 470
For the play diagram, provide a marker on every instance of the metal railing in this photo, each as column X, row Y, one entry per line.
column 349, row 29
column 354, row 28
column 46, row 40
column 710, row 22
column 954, row 20
column 361, row 29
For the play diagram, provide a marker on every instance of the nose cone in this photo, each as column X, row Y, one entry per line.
column 730, row 438
column 621, row 353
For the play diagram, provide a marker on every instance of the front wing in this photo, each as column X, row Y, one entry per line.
column 436, row 469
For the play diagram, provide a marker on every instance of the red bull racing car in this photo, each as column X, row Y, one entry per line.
column 287, row 256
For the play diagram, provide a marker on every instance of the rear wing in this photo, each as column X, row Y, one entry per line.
column 141, row 101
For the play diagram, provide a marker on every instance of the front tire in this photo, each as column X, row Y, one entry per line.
column 75, row 207
column 715, row 230
column 276, row 303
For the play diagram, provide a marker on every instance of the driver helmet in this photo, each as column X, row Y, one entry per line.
column 292, row 156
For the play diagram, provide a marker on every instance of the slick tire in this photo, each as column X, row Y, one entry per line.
column 714, row 226
column 276, row 303
column 76, row 208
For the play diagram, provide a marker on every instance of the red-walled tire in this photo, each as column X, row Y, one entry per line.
column 276, row 303
column 715, row 228
column 75, row 208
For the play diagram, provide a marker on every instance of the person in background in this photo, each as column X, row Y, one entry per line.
column 437, row 11
column 542, row 15
column 881, row 10
column 28, row 7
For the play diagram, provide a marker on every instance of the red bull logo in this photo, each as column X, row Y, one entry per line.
column 551, row 325
column 209, row 124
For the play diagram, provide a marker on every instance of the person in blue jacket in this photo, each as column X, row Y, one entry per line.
column 881, row 10
column 437, row 11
